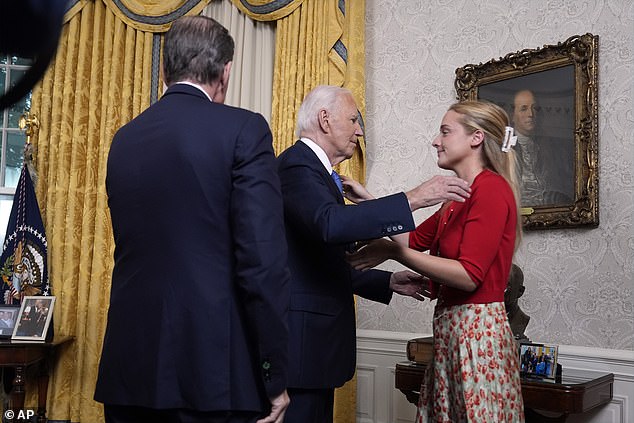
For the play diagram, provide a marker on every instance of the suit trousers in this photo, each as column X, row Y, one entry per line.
column 310, row 405
column 134, row 414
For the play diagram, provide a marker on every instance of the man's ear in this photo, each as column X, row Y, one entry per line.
column 226, row 73
column 322, row 118
column 477, row 138
column 220, row 94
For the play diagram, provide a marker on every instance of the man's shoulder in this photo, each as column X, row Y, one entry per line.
column 296, row 152
column 219, row 115
column 299, row 159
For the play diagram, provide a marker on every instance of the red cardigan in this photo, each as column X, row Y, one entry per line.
column 479, row 233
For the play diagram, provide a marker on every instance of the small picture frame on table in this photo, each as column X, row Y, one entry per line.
column 8, row 317
column 538, row 360
column 34, row 318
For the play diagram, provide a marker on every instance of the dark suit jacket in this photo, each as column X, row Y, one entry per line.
column 199, row 297
column 318, row 227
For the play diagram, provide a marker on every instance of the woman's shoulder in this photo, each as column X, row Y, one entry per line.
column 489, row 182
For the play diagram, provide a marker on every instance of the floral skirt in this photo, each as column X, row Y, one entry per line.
column 474, row 375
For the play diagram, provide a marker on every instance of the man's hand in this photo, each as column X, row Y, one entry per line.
column 410, row 284
column 372, row 254
column 279, row 404
column 438, row 189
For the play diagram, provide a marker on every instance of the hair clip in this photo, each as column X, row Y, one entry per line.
column 509, row 139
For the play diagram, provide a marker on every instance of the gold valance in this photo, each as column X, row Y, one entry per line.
column 73, row 8
column 267, row 10
column 144, row 15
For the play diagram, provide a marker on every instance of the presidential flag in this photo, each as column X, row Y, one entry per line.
column 23, row 260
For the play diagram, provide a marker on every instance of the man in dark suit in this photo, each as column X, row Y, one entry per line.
column 197, row 327
column 319, row 229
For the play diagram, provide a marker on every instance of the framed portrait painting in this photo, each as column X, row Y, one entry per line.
column 550, row 95
column 34, row 318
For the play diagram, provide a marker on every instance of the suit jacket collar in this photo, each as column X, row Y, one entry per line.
column 319, row 152
column 311, row 159
column 309, row 156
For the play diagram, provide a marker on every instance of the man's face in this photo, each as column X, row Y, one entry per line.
column 524, row 119
column 345, row 128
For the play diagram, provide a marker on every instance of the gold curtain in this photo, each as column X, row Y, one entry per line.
column 99, row 80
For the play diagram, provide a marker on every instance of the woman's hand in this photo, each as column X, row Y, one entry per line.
column 372, row 254
column 354, row 191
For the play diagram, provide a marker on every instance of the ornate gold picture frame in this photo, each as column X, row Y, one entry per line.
column 550, row 94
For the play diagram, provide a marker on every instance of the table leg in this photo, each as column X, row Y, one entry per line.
column 17, row 393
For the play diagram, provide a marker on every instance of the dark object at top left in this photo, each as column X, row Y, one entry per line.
column 29, row 29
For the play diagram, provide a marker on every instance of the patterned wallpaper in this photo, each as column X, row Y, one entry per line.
column 579, row 282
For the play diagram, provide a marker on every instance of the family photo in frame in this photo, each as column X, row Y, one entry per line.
column 550, row 95
column 34, row 318
column 8, row 315
column 538, row 360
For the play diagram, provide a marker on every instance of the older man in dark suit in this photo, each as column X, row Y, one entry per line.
column 197, row 326
column 320, row 227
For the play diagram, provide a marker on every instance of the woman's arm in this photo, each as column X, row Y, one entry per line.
column 448, row 272
column 442, row 270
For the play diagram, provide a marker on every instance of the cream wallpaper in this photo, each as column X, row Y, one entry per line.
column 579, row 282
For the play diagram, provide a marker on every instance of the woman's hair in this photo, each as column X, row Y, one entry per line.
column 196, row 48
column 492, row 120
column 321, row 97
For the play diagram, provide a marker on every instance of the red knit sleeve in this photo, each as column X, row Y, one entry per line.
column 422, row 237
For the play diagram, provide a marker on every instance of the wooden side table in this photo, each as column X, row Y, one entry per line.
column 577, row 392
column 20, row 355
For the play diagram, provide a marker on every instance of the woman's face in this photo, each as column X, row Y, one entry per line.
column 452, row 144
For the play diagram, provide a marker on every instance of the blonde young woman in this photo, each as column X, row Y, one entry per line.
column 474, row 374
